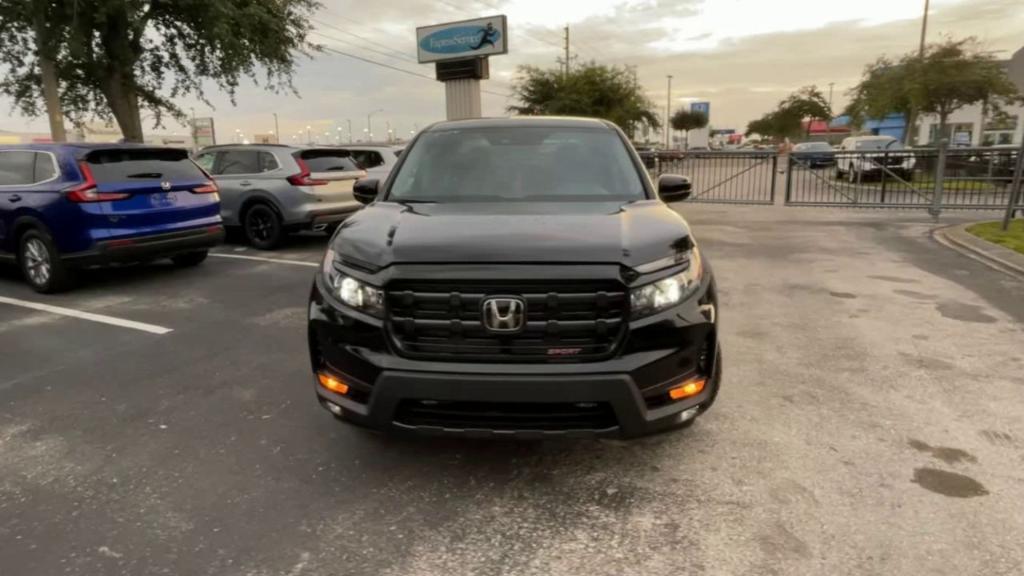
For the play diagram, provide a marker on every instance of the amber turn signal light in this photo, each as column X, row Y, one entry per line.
column 687, row 389
column 332, row 384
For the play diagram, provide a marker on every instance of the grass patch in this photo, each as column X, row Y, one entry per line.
column 993, row 232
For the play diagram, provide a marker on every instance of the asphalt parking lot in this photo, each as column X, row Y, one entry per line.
column 871, row 422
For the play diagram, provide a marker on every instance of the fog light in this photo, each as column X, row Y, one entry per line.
column 334, row 408
column 687, row 389
column 332, row 384
column 689, row 414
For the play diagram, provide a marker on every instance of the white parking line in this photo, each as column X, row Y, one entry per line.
column 102, row 319
column 259, row 259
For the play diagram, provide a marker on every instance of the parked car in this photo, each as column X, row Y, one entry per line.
column 814, row 154
column 648, row 156
column 269, row 190
column 69, row 206
column 377, row 160
column 863, row 157
column 517, row 276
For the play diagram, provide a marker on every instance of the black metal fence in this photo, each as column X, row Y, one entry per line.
column 963, row 178
column 725, row 177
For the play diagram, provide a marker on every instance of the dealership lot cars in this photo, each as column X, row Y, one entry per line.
column 843, row 442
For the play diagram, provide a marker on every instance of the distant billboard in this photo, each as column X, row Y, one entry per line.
column 203, row 131
column 702, row 107
column 464, row 39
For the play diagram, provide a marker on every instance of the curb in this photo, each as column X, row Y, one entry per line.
column 992, row 255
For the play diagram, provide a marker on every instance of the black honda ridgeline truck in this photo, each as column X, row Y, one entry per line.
column 516, row 277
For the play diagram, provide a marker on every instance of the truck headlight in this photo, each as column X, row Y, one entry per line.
column 352, row 292
column 668, row 292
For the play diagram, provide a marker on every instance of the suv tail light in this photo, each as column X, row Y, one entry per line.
column 87, row 192
column 303, row 178
column 208, row 188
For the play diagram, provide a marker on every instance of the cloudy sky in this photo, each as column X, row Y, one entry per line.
column 741, row 55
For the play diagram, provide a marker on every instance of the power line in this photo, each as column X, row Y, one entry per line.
column 398, row 53
column 397, row 69
column 349, row 42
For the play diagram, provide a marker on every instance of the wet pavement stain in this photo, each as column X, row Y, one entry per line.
column 843, row 295
column 964, row 312
column 920, row 337
column 916, row 295
column 948, row 483
column 944, row 453
column 894, row 279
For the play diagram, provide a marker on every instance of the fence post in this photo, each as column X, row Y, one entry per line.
column 789, row 180
column 1015, row 187
column 775, row 172
column 940, row 175
column 885, row 167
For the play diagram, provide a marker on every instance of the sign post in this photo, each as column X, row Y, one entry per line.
column 459, row 51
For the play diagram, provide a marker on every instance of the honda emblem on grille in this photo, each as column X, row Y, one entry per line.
column 504, row 314
column 165, row 186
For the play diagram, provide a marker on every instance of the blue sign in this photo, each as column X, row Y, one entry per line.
column 466, row 39
column 702, row 107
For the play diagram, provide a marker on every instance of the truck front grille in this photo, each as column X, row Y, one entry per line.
column 595, row 416
column 561, row 323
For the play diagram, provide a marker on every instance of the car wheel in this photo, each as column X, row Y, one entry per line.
column 41, row 264
column 263, row 228
column 190, row 258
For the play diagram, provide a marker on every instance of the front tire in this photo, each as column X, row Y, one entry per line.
column 263, row 227
column 190, row 259
column 41, row 264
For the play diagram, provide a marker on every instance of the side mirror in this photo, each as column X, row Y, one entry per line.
column 673, row 188
column 365, row 190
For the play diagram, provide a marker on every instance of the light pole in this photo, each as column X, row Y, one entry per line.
column 309, row 139
column 195, row 145
column 369, row 126
column 668, row 114
column 277, row 130
column 387, row 124
column 830, row 85
column 349, row 120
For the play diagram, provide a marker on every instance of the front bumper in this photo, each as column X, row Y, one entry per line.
column 625, row 396
column 142, row 248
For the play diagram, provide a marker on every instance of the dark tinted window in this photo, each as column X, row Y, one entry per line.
column 518, row 164
column 17, row 167
column 328, row 160
column 238, row 162
column 142, row 164
column 368, row 158
column 267, row 162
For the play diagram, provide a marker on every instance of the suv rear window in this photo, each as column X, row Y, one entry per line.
column 328, row 160
column 143, row 164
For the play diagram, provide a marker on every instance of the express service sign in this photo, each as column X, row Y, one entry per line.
column 465, row 39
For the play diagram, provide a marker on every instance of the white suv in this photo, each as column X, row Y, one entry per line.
column 862, row 157
column 377, row 159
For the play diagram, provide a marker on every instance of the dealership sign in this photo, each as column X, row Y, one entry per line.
column 466, row 39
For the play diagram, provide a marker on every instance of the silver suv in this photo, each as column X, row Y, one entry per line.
column 270, row 190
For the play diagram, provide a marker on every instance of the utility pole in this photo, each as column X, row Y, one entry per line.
column 277, row 130
column 668, row 115
column 912, row 117
column 349, row 121
column 830, row 85
column 566, row 74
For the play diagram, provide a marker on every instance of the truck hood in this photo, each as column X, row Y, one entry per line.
column 631, row 234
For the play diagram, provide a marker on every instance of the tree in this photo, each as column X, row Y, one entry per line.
column 33, row 23
column 588, row 90
column 119, row 57
column 806, row 104
column 687, row 120
column 952, row 74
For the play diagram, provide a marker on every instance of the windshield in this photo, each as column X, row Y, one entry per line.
column 535, row 163
column 882, row 144
column 813, row 147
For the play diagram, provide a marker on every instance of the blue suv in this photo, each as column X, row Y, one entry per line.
column 69, row 206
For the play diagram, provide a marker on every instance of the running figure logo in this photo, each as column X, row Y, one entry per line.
column 487, row 36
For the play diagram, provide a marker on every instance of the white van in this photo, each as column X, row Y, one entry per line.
column 861, row 157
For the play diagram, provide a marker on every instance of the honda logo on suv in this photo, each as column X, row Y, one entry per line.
column 504, row 314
